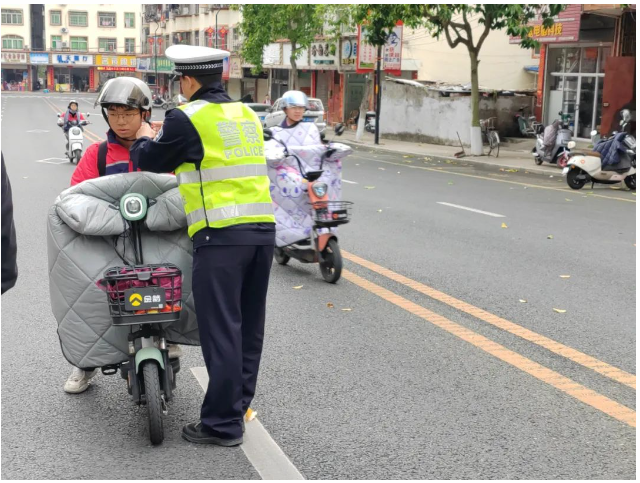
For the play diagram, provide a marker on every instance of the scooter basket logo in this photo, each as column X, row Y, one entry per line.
column 144, row 298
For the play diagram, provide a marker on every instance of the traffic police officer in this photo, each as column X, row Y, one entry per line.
column 215, row 147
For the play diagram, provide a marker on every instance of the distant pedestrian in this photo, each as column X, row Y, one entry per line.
column 267, row 100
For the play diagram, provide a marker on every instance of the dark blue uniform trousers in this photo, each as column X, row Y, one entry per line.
column 230, row 289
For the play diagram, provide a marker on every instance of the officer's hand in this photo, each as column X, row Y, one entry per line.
column 156, row 126
column 145, row 130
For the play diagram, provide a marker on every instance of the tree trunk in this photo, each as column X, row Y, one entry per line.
column 293, row 73
column 364, row 107
column 476, row 136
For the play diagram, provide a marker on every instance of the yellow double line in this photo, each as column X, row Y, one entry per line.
column 548, row 376
column 93, row 137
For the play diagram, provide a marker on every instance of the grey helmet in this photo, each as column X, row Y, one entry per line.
column 126, row 91
column 295, row 99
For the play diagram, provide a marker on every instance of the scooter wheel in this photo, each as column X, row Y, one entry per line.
column 151, row 378
column 538, row 160
column 77, row 155
column 281, row 257
column 573, row 181
column 331, row 268
column 630, row 181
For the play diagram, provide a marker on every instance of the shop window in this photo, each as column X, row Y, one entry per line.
column 589, row 60
column 79, row 44
column 572, row 60
column 107, row 45
column 129, row 20
column 130, row 46
column 11, row 17
column 56, row 42
column 78, row 19
column 196, row 37
column 12, row 42
column 106, row 19
column 55, row 17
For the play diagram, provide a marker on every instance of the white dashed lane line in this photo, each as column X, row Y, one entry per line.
column 488, row 213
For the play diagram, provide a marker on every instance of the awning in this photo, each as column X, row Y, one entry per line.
column 531, row 68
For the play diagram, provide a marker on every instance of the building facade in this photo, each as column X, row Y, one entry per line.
column 587, row 67
column 69, row 47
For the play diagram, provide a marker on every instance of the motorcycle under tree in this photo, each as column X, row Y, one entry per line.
column 322, row 246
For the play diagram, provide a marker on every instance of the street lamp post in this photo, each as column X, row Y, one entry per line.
column 378, row 95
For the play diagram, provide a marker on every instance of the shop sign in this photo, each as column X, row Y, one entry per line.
column 14, row 57
column 323, row 53
column 225, row 68
column 72, row 59
column 393, row 50
column 40, row 58
column 108, row 68
column 235, row 68
column 117, row 62
column 566, row 27
column 349, row 52
column 271, row 55
column 366, row 55
column 148, row 64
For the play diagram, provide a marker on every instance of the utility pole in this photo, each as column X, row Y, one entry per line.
column 378, row 95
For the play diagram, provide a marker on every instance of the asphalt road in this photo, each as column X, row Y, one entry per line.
column 406, row 383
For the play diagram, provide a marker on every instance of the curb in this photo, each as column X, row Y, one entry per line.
column 532, row 170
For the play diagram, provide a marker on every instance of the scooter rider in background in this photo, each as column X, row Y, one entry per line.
column 295, row 104
column 71, row 116
column 125, row 103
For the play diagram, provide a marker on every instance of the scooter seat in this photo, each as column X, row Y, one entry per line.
column 593, row 154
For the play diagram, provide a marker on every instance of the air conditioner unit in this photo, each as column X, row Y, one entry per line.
column 64, row 30
column 64, row 44
column 163, row 25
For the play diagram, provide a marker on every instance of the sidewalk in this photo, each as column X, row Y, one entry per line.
column 515, row 154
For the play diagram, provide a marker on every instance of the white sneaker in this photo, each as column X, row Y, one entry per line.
column 175, row 351
column 78, row 381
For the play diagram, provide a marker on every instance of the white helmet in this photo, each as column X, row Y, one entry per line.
column 295, row 99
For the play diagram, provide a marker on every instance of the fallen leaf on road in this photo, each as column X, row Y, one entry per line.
column 369, row 187
column 504, row 225
column 501, row 169
column 551, row 176
column 427, row 158
column 438, row 168
column 346, row 310
column 357, row 164
column 526, row 172
column 406, row 156
column 398, row 172
column 560, row 311
column 382, row 169
column 615, row 187
column 450, row 182
column 25, row 177
column 298, row 287
column 512, row 171
column 379, row 211
column 565, row 276
column 250, row 415
column 522, row 301
column 567, row 199
column 549, row 237
column 330, row 305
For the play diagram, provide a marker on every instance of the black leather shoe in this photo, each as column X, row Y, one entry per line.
column 197, row 433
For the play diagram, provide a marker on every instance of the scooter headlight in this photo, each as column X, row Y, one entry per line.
column 320, row 189
column 133, row 207
column 75, row 131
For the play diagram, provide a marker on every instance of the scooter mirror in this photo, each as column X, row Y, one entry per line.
column 58, row 115
column 594, row 133
column 571, row 144
column 339, row 129
column 88, row 115
column 267, row 134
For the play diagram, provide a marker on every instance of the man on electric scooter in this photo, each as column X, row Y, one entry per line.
column 295, row 103
column 125, row 103
column 71, row 117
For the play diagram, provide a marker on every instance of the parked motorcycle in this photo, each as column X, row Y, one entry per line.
column 587, row 166
column 562, row 138
column 528, row 126
column 370, row 122
column 75, row 146
column 322, row 245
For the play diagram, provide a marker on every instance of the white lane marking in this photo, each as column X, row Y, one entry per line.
column 38, row 131
column 347, row 181
column 49, row 160
column 488, row 213
column 261, row 450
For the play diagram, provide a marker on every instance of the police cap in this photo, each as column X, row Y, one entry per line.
column 192, row 60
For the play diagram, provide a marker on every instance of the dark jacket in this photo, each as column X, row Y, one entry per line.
column 611, row 149
column 9, row 244
column 178, row 142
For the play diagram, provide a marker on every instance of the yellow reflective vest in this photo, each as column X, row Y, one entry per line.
column 231, row 187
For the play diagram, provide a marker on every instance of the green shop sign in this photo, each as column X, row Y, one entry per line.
column 148, row 64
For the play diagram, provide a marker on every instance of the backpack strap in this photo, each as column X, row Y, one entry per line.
column 102, row 158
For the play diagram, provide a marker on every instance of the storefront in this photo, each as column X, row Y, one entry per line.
column 39, row 62
column 112, row 66
column 146, row 67
column 70, row 72
column 15, row 71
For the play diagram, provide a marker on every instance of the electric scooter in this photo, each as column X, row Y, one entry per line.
column 539, row 152
column 322, row 246
column 76, row 139
column 145, row 297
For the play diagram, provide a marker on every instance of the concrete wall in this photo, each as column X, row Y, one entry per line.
column 412, row 113
column 501, row 64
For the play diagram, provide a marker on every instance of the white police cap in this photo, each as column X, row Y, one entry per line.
column 193, row 60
